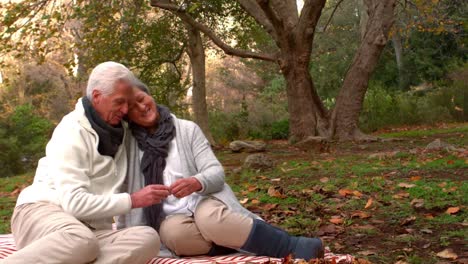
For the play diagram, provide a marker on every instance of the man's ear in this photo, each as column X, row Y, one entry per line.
column 97, row 95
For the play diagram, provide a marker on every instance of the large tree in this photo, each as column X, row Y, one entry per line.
column 293, row 34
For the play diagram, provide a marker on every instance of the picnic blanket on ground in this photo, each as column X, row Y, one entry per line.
column 7, row 247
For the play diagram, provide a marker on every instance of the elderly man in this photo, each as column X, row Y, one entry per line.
column 66, row 215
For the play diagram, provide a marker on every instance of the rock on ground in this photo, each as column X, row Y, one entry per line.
column 439, row 145
column 247, row 146
column 258, row 161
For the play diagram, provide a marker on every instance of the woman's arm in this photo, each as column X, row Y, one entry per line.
column 210, row 171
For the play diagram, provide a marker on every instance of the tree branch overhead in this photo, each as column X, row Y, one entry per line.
column 184, row 16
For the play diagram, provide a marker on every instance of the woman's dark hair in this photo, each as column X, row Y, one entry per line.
column 140, row 85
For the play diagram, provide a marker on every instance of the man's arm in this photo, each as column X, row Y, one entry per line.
column 69, row 161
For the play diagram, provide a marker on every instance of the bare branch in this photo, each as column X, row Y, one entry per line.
column 271, row 14
column 332, row 14
column 309, row 17
column 180, row 12
column 287, row 10
column 254, row 10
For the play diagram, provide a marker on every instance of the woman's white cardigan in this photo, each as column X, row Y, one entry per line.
column 196, row 159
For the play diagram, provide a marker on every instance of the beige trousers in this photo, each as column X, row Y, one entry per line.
column 212, row 223
column 44, row 233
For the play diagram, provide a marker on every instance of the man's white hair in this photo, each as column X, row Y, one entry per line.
column 105, row 75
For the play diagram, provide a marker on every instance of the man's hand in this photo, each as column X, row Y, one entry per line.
column 185, row 187
column 151, row 194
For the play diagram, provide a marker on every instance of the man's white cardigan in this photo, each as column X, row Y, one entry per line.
column 76, row 177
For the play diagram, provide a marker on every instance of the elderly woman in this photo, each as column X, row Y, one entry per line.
column 201, row 216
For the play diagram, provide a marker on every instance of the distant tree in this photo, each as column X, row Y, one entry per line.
column 293, row 34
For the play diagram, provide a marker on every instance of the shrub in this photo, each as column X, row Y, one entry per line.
column 383, row 108
column 280, row 129
column 24, row 135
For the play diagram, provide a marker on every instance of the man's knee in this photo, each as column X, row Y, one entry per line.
column 148, row 240
column 82, row 242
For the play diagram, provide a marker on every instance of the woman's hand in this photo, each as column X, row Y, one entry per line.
column 185, row 187
column 151, row 194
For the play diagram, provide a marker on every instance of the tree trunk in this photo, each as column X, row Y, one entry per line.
column 396, row 41
column 349, row 102
column 307, row 114
column 196, row 53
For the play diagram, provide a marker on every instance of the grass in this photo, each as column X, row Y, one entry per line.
column 378, row 214
column 8, row 201
column 425, row 132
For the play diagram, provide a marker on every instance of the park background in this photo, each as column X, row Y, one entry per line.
column 362, row 105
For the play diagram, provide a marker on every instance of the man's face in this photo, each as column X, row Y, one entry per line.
column 113, row 107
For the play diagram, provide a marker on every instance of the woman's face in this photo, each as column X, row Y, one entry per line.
column 142, row 110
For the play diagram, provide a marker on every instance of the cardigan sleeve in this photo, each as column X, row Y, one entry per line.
column 210, row 171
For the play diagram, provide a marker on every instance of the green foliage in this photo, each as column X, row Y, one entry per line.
column 10, row 158
column 280, row 129
column 23, row 136
column 383, row 108
column 223, row 126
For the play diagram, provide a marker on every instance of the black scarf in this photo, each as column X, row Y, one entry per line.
column 110, row 137
column 156, row 148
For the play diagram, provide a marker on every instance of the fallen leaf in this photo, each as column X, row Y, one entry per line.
column 330, row 230
column 406, row 185
column 360, row 214
column 336, row 220
column 357, row 193
column 428, row 216
column 255, row 201
column 344, row 192
column 273, row 192
column 401, row 195
column 338, row 246
column 453, row 210
column 324, row 180
column 367, row 252
column 276, row 179
column 15, row 192
column 401, row 262
column 244, row 201
column 408, row 220
column 426, row 245
column 365, row 227
column 417, row 203
column 252, row 188
column 369, row 203
column 447, row 254
column 415, row 178
column 442, row 185
column 450, row 162
column 426, row 231
column 270, row 207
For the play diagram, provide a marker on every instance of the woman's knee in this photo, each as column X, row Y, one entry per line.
column 180, row 234
column 173, row 228
column 208, row 216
